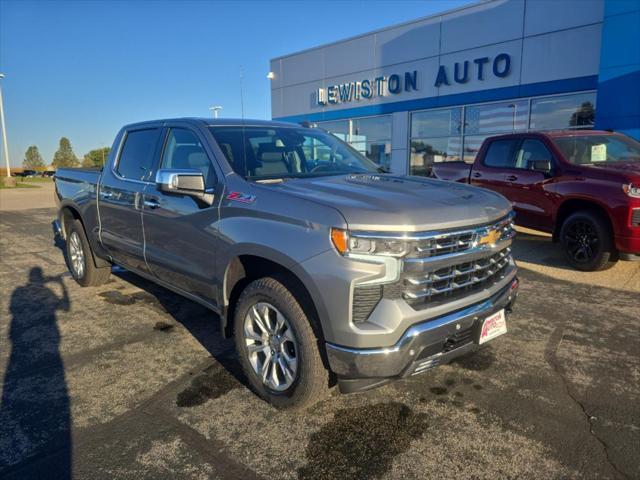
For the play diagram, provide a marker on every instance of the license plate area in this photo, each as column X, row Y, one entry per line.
column 493, row 326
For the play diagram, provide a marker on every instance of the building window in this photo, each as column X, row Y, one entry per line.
column 567, row 111
column 371, row 136
column 435, row 137
column 436, row 123
column 496, row 118
column 340, row 128
column 471, row 147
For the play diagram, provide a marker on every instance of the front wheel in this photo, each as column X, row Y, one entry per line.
column 587, row 242
column 277, row 346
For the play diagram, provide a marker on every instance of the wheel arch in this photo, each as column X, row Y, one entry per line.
column 67, row 215
column 242, row 269
column 572, row 205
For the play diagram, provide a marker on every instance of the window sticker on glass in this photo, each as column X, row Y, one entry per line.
column 599, row 153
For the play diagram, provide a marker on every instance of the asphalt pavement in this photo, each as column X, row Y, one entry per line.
column 129, row 380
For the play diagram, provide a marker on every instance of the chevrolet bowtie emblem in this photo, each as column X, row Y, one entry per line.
column 490, row 238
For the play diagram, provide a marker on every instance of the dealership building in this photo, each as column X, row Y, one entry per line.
column 433, row 89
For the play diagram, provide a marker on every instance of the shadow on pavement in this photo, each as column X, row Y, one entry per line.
column 539, row 249
column 202, row 323
column 35, row 419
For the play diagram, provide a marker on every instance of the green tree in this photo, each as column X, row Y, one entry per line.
column 96, row 158
column 65, row 157
column 584, row 116
column 32, row 158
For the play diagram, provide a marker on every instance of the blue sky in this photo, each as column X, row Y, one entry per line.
column 83, row 69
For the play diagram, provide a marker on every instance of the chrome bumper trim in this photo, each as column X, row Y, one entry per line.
column 398, row 360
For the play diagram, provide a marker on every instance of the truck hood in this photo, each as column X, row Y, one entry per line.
column 396, row 203
column 628, row 169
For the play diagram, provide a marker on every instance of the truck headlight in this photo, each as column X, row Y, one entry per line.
column 346, row 243
column 631, row 190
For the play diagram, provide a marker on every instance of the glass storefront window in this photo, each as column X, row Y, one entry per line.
column 436, row 123
column 471, row 146
column 370, row 129
column 567, row 111
column 496, row 118
column 379, row 152
column 340, row 128
column 371, row 136
column 427, row 151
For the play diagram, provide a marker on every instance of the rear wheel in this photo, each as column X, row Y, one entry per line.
column 587, row 242
column 277, row 346
column 80, row 259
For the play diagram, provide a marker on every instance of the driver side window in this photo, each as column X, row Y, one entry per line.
column 530, row 151
column 183, row 150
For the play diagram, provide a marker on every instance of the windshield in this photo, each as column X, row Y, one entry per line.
column 261, row 153
column 598, row 149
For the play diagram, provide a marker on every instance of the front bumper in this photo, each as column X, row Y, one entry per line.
column 421, row 347
column 628, row 246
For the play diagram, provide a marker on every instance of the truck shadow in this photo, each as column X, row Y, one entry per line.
column 200, row 322
column 538, row 248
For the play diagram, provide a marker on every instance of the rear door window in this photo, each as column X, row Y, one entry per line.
column 500, row 154
column 136, row 157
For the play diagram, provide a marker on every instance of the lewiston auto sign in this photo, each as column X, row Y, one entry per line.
column 477, row 69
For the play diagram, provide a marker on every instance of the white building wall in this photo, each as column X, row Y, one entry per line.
column 546, row 40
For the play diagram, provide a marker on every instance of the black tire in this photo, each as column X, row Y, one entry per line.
column 587, row 241
column 86, row 273
column 311, row 382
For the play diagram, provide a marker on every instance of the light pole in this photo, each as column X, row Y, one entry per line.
column 4, row 131
column 215, row 109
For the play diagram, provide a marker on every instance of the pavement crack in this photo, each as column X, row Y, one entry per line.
column 551, row 351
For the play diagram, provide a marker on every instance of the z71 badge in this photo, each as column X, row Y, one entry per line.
column 241, row 197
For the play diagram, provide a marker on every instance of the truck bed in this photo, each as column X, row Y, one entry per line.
column 78, row 187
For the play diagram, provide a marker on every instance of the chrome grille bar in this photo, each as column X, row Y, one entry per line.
column 455, row 277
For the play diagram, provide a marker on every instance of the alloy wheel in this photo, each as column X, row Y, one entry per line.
column 271, row 346
column 582, row 241
column 76, row 254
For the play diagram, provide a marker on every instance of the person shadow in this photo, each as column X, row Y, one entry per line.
column 35, row 419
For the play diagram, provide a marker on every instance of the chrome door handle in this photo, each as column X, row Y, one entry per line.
column 106, row 195
column 152, row 204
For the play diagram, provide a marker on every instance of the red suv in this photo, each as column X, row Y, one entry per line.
column 582, row 186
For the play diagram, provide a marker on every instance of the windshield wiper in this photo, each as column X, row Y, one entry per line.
column 383, row 170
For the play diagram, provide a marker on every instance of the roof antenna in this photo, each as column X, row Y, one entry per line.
column 241, row 93
column 244, row 139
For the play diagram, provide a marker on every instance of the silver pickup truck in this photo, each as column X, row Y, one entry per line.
column 323, row 267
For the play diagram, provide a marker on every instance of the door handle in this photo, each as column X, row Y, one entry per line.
column 512, row 178
column 106, row 195
column 152, row 204
column 477, row 174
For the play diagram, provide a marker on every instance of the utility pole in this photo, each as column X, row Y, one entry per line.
column 215, row 109
column 4, row 131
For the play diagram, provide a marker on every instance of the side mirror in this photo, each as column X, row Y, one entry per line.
column 542, row 166
column 184, row 182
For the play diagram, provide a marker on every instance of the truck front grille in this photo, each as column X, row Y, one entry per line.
column 444, row 243
column 441, row 267
column 635, row 217
column 431, row 287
